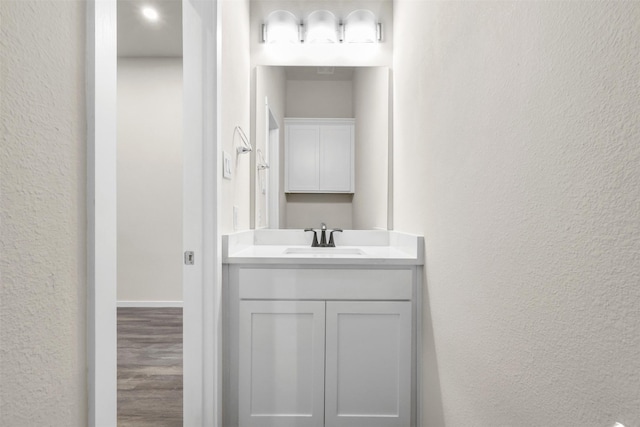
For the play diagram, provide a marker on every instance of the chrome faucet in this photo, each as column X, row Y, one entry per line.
column 323, row 237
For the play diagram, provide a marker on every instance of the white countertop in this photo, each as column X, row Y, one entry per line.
column 352, row 248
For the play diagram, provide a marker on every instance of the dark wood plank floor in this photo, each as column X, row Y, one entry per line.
column 149, row 367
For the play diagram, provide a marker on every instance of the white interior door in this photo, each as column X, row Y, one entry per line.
column 202, row 281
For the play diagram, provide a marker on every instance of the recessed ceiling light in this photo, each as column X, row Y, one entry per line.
column 150, row 13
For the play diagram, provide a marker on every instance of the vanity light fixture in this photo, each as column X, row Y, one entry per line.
column 150, row 13
column 322, row 27
column 360, row 26
column 281, row 26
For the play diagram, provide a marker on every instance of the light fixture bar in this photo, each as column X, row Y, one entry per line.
column 360, row 26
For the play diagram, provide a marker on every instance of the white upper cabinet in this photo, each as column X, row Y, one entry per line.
column 319, row 155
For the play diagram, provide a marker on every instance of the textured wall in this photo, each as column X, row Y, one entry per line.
column 149, row 179
column 42, row 215
column 517, row 154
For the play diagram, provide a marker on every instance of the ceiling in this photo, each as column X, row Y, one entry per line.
column 139, row 37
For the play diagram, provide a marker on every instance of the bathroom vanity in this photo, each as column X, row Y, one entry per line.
column 320, row 336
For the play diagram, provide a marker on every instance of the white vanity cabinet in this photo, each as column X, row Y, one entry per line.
column 333, row 363
column 319, row 155
column 321, row 346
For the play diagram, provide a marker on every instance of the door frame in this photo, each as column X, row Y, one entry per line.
column 200, row 218
column 272, row 149
column 101, row 89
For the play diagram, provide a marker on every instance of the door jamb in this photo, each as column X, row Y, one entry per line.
column 101, row 85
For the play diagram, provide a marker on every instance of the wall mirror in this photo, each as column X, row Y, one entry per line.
column 361, row 93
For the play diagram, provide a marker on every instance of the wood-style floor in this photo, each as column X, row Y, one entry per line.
column 149, row 367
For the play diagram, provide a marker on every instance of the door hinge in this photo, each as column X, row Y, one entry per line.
column 189, row 258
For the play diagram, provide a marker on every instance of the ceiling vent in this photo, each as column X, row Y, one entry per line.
column 325, row 70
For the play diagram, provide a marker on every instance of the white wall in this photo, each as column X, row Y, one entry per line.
column 371, row 109
column 149, row 179
column 516, row 154
column 310, row 210
column 42, row 214
column 234, row 100
column 319, row 99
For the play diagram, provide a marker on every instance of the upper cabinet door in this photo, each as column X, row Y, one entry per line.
column 319, row 155
column 368, row 364
column 336, row 158
column 303, row 158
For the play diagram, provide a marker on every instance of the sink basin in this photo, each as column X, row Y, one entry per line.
column 324, row 251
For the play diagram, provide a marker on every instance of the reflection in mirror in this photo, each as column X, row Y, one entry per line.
column 360, row 93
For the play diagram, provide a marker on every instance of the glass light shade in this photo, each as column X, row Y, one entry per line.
column 322, row 27
column 150, row 13
column 360, row 26
column 282, row 26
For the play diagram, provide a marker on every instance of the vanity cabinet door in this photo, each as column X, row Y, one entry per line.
column 281, row 366
column 368, row 364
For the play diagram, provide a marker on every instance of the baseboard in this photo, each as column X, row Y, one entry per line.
column 149, row 304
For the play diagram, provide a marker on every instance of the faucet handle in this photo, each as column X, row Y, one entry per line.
column 314, row 244
column 331, row 243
